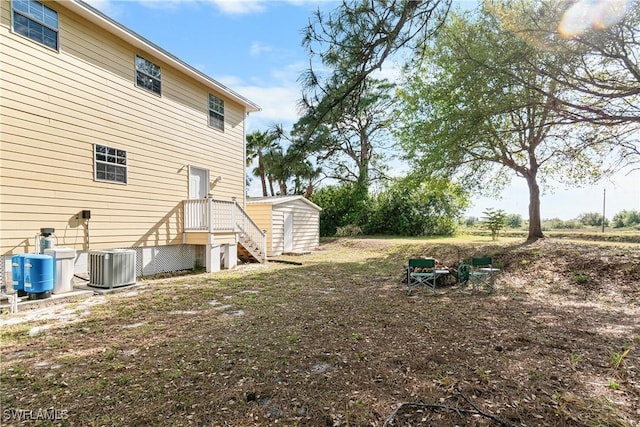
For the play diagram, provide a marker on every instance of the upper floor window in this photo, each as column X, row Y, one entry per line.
column 110, row 164
column 35, row 21
column 148, row 75
column 216, row 112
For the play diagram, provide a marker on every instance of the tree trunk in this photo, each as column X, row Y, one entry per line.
column 263, row 177
column 273, row 193
column 535, row 223
column 283, row 187
column 309, row 191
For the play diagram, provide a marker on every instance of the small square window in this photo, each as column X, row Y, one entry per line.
column 110, row 164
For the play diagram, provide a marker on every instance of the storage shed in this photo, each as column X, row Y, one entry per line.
column 292, row 223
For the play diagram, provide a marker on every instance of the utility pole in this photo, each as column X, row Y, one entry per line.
column 604, row 200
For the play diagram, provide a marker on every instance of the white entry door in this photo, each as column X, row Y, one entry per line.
column 198, row 182
column 288, row 231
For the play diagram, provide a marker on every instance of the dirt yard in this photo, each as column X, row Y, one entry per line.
column 337, row 341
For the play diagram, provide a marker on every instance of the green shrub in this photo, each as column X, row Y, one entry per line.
column 349, row 231
column 514, row 220
column 626, row 218
column 593, row 219
column 410, row 208
column 341, row 205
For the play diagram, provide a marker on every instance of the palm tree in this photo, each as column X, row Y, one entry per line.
column 258, row 144
column 278, row 169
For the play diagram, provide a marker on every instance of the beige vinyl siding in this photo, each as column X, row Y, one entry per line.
column 269, row 215
column 277, row 232
column 200, row 238
column 261, row 214
column 56, row 106
column 306, row 223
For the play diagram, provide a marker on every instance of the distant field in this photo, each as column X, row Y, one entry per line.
column 629, row 235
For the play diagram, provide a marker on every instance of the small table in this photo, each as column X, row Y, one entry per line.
column 428, row 279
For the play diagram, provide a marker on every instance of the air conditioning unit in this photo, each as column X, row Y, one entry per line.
column 112, row 268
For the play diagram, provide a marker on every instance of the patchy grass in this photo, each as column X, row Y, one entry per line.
column 338, row 342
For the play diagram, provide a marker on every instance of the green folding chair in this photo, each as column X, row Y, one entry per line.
column 464, row 271
column 482, row 274
column 421, row 271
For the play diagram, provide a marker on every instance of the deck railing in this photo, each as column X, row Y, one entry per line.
column 212, row 216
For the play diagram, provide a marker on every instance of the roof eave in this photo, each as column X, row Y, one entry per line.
column 103, row 21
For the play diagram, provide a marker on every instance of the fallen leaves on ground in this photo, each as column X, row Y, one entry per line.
column 338, row 342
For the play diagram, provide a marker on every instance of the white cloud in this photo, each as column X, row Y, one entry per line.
column 279, row 105
column 258, row 48
column 231, row 7
column 108, row 7
column 239, row 7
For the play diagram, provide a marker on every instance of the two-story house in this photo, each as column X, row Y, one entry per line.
column 116, row 143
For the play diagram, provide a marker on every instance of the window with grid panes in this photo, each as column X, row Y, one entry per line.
column 216, row 112
column 148, row 75
column 36, row 21
column 110, row 164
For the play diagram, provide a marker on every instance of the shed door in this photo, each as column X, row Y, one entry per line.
column 288, row 231
column 198, row 182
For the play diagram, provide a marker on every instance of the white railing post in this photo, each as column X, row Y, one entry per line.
column 264, row 244
column 210, row 212
column 233, row 213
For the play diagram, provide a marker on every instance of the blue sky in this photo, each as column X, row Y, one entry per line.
column 254, row 47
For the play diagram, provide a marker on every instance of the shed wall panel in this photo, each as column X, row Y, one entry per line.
column 306, row 223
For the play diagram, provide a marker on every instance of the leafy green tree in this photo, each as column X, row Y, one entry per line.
column 341, row 206
column 598, row 44
column 593, row 219
column 626, row 218
column 408, row 208
column 350, row 146
column 354, row 41
column 494, row 221
column 514, row 220
column 467, row 113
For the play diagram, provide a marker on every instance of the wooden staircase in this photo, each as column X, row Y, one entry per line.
column 249, row 250
column 212, row 216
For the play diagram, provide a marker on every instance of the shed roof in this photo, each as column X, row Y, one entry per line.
column 278, row 200
column 103, row 21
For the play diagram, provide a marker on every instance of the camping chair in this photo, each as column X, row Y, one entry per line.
column 482, row 274
column 464, row 270
column 421, row 271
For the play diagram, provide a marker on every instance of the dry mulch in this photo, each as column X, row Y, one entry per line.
column 338, row 342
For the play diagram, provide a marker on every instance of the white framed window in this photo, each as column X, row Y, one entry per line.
column 35, row 21
column 148, row 75
column 110, row 164
column 216, row 112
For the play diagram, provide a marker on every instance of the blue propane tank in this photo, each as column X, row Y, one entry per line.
column 17, row 273
column 38, row 276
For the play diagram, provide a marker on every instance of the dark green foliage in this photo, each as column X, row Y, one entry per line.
column 626, row 218
column 410, row 209
column 341, row 205
column 405, row 208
